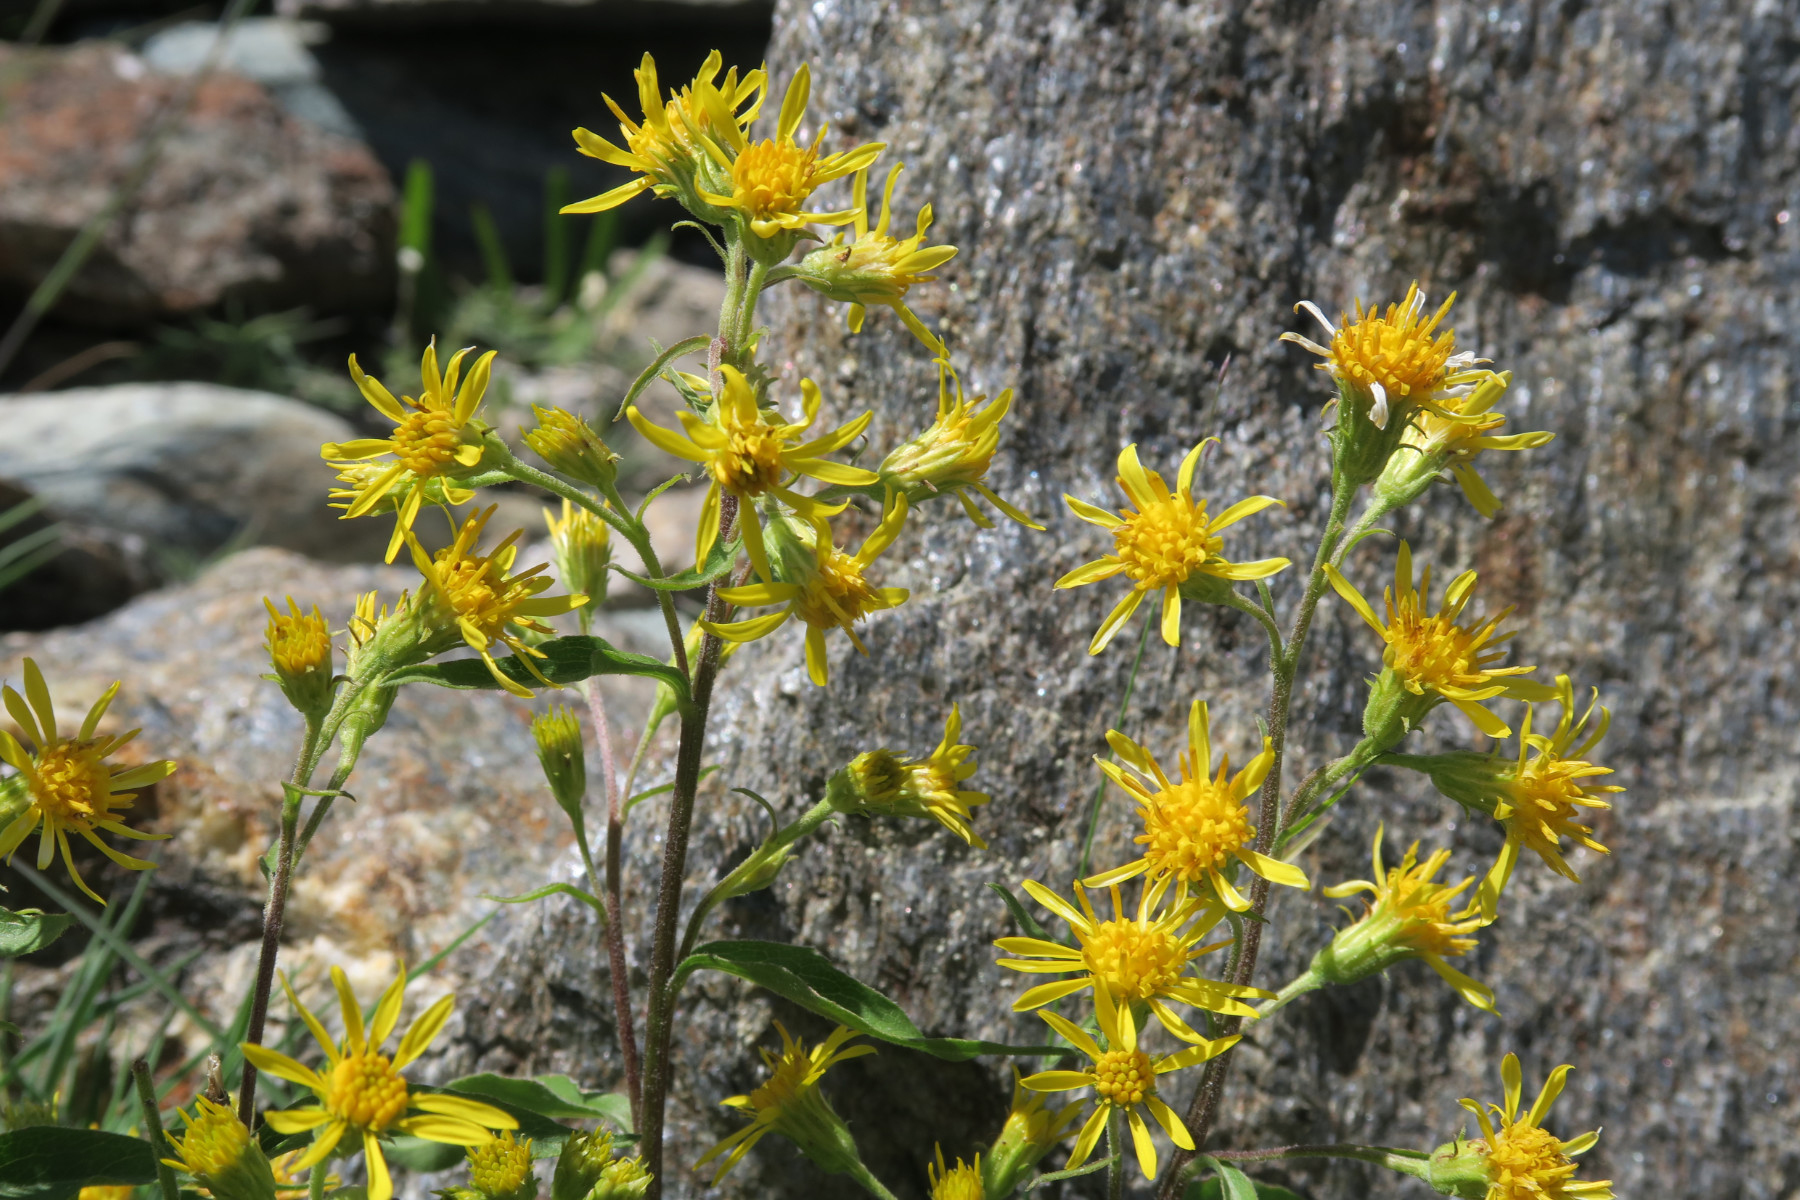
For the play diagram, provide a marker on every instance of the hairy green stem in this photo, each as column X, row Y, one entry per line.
column 869, row 1183
column 1087, row 843
column 273, row 916
column 153, row 1129
column 1205, row 1105
column 610, row 891
column 1408, row 1162
column 770, row 851
column 1115, row 1145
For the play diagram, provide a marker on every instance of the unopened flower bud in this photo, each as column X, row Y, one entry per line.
column 587, row 1170
column 622, row 1179
column 560, row 751
column 570, row 446
column 953, row 453
column 880, row 783
column 501, row 1169
column 1033, row 1129
column 221, row 1155
column 583, row 548
column 299, row 647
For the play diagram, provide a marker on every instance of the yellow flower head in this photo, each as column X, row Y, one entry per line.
column 961, row 1182
column 1524, row 1160
column 1434, row 656
column 789, row 1103
column 771, row 180
column 299, row 646
column 677, row 135
column 828, row 590
column 876, row 267
column 1408, row 917
column 1395, row 360
column 501, row 1169
column 583, row 548
column 954, row 452
column 882, row 783
column 1197, row 827
column 752, row 453
column 1161, row 542
column 219, row 1152
column 71, row 786
column 1450, row 434
column 436, row 438
column 1548, row 789
column 476, row 600
column 1033, row 1127
column 362, row 1091
column 1141, row 959
column 1123, row 1077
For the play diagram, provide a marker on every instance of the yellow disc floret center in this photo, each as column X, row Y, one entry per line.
column 1544, row 803
column 1430, row 652
column 786, row 1083
column 73, row 786
column 751, row 463
column 1527, row 1163
column 772, row 179
column 1165, row 543
column 1395, row 351
column 299, row 644
column 425, row 441
column 961, row 1182
column 500, row 1167
column 366, row 1090
column 214, row 1143
column 1192, row 828
column 468, row 582
column 1124, row 1077
column 838, row 594
column 1133, row 960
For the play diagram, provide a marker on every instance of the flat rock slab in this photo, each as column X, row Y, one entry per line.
column 244, row 200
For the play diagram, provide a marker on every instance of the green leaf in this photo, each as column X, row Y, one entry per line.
column 611, row 1106
column 657, row 365
column 29, row 929
column 1027, row 923
column 1089, row 1168
column 552, row 889
column 804, row 976
column 719, row 561
column 417, row 1154
column 48, row 1162
column 566, row 660
column 563, row 1102
column 1229, row 1183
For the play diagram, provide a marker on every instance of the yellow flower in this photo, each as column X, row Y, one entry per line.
column 1194, row 829
column 1432, row 657
column 1393, row 360
column 475, row 599
column 954, row 452
column 1547, row 791
column 362, row 1091
column 876, row 267
column 1408, row 917
column 1451, row 434
column 882, row 783
column 436, row 437
column 772, row 179
column 299, row 648
column 1139, row 960
column 73, row 789
column 221, row 1155
column 1163, row 541
column 961, row 1182
column 1032, row 1130
column 1124, row 1078
column 789, row 1103
column 1524, row 1160
column 830, row 590
column 677, row 135
column 501, row 1169
column 583, row 547
column 752, row 453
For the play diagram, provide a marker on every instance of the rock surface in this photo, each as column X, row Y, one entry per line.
column 1141, row 193
column 185, row 468
column 244, row 201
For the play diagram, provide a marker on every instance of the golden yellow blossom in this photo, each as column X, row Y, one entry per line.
column 1394, row 361
column 677, row 135
column 789, row 1103
column 1524, row 1160
column 1124, row 1078
column 1162, row 542
column 876, row 267
column 219, row 1152
column 771, row 180
column 753, row 453
column 954, row 452
column 436, row 437
column 1449, row 435
column 1408, row 917
column 828, row 590
column 362, row 1091
column 299, row 646
column 501, row 1169
column 882, row 783
column 475, row 599
column 961, row 1182
column 1197, row 827
column 1137, row 960
column 73, row 789
column 1431, row 656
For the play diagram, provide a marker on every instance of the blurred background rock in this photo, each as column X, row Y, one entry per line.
column 1141, row 192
